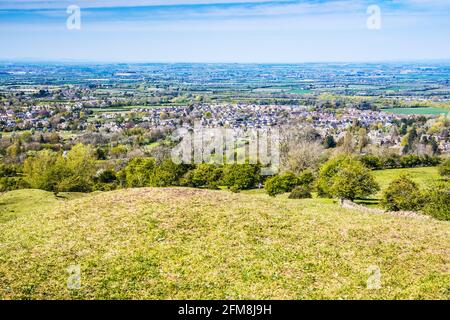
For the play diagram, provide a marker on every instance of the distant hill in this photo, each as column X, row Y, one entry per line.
column 178, row 243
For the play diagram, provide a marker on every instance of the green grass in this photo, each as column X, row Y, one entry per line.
column 422, row 176
column 418, row 111
column 300, row 91
column 17, row 203
column 179, row 243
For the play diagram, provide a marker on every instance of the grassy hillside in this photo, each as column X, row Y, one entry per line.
column 182, row 243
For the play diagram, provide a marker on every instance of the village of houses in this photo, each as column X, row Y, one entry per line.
column 382, row 127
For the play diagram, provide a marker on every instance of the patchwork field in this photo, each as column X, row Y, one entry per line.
column 179, row 243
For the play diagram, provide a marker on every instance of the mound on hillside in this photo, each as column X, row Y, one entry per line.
column 178, row 243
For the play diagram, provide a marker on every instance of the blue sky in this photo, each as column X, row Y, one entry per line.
column 225, row 31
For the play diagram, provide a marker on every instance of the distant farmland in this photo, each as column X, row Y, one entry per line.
column 424, row 111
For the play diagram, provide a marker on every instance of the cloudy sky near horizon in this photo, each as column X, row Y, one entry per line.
column 225, row 30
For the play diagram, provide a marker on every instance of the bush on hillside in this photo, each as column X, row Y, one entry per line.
column 391, row 161
column 300, row 192
column 12, row 183
column 444, row 168
column 402, row 194
column 436, row 201
column 167, row 174
column 352, row 181
column 306, row 179
column 371, row 161
column 203, row 176
column 105, row 180
column 344, row 177
column 326, row 173
column 138, row 172
column 54, row 172
column 395, row 161
column 281, row 184
column 241, row 176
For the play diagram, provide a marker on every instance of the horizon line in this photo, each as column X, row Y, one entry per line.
column 94, row 61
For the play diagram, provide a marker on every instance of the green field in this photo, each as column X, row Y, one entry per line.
column 418, row 111
column 300, row 91
column 180, row 243
column 422, row 176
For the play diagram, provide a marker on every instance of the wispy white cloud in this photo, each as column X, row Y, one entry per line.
column 57, row 4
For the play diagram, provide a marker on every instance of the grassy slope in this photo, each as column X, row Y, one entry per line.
column 183, row 243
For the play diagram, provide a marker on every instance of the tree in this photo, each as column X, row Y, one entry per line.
column 306, row 179
column 138, row 172
column 402, row 194
column 347, row 145
column 118, row 151
column 353, row 181
column 241, row 176
column 346, row 178
column 106, row 180
column 305, row 155
column 363, row 140
column 329, row 142
column 281, row 184
column 204, row 175
column 326, row 172
column 408, row 141
column 166, row 174
column 371, row 161
column 51, row 171
column 39, row 171
column 80, row 163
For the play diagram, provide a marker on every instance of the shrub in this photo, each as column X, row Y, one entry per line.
column 106, row 176
column 329, row 142
column 306, row 178
column 410, row 161
column 437, row 202
column 80, row 165
column 345, row 178
column 444, row 168
column 241, row 176
column 8, row 170
column 106, row 180
column 281, row 184
column 391, row 161
column 371, row 161
column 52, row 172
column 12, row 183
column 402, row 194
column 326, row 172
column 234, row 189
column 204, row 175
column 138, row 172
column 352, row 180
column 40, row 170
column 300, row 192
column 167, row 174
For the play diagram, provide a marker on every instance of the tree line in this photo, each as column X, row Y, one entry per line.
column 344, row 176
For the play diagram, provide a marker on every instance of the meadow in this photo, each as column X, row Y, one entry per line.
column 424, row 176
column 418, row 111
column 181, row 243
